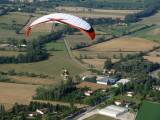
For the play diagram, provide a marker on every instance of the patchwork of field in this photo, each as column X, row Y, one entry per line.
column 95, row 13
column 92, row 86
column 11, row 93
column 125, row 43
column 153, row 56
column 149, row 111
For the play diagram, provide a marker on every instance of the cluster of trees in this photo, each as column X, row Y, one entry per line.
column 67, row 92
column 100, row 21
column 20, row 112
column 150, row 8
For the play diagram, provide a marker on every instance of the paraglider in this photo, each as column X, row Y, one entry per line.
column 66, row 19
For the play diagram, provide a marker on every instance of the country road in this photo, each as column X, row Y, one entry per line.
column 72, row 57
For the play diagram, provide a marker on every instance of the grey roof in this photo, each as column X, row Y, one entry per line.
column 105, row 79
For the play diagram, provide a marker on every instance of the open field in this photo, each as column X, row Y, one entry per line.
column 125, row 43
column 9, row 53
column 31, row 80
column 99, row 117
column 92, row 86
column 151, row 33
column 57, row 61
column 11, row 93
column 21, row 18
column 149, row 111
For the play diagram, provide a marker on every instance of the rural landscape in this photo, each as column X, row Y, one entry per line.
column 61, row 71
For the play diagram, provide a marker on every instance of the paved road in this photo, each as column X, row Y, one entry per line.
column 88, row 114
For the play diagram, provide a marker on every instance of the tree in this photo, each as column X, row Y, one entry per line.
column 108, row 64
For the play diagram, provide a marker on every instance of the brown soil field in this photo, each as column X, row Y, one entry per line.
column 11, row 93
column 97, row 10
column 126, row 43
column 31, row 80
column 60, row 103
column 92, row 86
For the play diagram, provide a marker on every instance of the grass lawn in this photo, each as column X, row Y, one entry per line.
column 126, row 28
column 99, row 117
column 127, row 99
column 151, row 33
column 149, row 111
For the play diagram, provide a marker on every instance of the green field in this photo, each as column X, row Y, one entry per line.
column 7, row 22
column 151, row 33
column 57, row 61
column 149, row 111
column 126, row 28
column 99, row 117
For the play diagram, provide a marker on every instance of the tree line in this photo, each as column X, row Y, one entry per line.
column 20, row 112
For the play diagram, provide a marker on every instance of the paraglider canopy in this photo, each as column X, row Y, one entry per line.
column 66, row 19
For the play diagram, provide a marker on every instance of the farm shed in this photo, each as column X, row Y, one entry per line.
column 113, row 111
column 107, row 80
column 123, row 81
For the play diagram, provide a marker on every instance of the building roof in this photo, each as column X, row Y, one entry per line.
column 123, row 81
column 119, row 101
column 113, row 109
column 106, row 79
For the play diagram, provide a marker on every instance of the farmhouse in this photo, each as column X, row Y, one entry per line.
column 123, row 81
column 157, row 87
column 33, row 114
column 113, row 111
column 107, row 81
column 108, row 71
column 42, row 111
column 130, row 94
column 88, row 93
column 119, row 102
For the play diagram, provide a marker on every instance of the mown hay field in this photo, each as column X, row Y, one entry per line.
column 9, row 53
column 92, row 86
column 125, row 45
column 11, row 93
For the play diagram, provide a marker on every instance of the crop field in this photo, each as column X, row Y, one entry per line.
column 151, row 33
column 125, row 43
column 149, row 111
column 99, row 117
column 129, row 27
column 95, row 13
column 92, row 86
column 11, row 93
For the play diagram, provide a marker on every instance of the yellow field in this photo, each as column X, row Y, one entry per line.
column 11, row 93
column 126, row 43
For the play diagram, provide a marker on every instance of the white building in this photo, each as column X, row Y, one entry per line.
column 119, row 102
column 123, row 81
column 113, row 111
column 88, row 93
